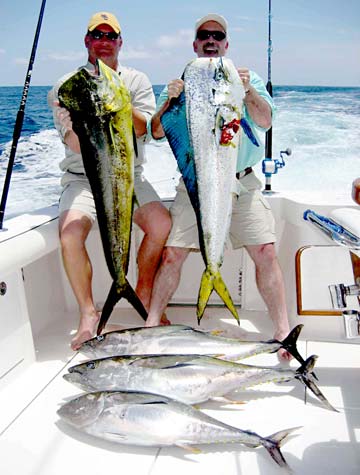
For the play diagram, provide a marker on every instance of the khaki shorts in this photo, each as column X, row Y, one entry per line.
column 77, row 193
column 252, row 221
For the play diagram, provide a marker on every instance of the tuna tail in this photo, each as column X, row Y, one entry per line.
column 273, row 444
column 211, row 280
column 115, row 294
column 289, row 343
column 304, row 375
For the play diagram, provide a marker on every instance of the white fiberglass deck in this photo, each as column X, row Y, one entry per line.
column 34, row 441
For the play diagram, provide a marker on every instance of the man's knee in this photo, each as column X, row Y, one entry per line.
column 263, row 254
column 73, row 232
column 154, row 219
column 174, row 256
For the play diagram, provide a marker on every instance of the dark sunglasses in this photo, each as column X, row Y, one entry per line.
column 98, row 35
column 203, row 35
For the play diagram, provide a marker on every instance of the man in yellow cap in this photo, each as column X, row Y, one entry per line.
column 77, row 209
column 252, row 223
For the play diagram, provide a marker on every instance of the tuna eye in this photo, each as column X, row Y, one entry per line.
column 90, row 365
column 100, row 338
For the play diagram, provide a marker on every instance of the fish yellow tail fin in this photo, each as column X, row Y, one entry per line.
column 211, row 280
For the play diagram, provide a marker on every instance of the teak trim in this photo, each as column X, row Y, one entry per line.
column 300, row 309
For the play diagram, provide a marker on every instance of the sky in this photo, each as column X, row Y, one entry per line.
column 314, row 42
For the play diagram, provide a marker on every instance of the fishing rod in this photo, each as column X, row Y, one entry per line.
column 20, row 118
column 270, row 166
column 268, row 136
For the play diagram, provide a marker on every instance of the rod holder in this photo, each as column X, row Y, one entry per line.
column 351, row 323
column 339, row 292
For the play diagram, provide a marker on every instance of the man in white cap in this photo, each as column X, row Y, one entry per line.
column 252, row 223
column 77, row 209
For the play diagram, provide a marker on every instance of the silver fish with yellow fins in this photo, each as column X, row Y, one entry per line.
column 101, row 112
column 191, row 379
column 145, row 419
column 182, row 339
column 203, row 130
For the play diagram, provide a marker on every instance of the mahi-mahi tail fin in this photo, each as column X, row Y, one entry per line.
column 115, row 294
column 211, row 280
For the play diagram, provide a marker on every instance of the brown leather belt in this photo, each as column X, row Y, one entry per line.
column 245, row 172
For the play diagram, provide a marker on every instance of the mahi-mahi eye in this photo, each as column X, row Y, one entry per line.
column 219, row 74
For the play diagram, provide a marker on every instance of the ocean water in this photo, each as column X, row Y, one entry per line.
column 319, row 124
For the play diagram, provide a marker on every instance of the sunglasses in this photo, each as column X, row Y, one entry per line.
column 98, row 35
column 203, row 35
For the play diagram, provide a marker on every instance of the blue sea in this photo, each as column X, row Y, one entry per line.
column 319, row 124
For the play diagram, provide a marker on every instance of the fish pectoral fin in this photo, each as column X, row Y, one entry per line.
column 211, row 280
column 189, row 448
column 115, row 436
column 228, row 400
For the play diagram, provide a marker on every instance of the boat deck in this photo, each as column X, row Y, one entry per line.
column 33, row 440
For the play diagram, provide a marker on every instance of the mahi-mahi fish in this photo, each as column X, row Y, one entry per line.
column 203, row 130
column 191, row 379
column 182, row 339
column 100, row 109
column 145, row 419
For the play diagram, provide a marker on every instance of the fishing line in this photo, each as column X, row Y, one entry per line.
column 20, row 118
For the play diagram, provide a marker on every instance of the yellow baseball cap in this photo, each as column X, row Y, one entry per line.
column 104, row 18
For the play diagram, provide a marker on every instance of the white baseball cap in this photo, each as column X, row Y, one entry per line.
column 211, row 17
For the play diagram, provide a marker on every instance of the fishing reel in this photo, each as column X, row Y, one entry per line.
column 271, row 166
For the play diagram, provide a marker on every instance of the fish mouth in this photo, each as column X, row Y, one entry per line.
column 73, row 370
column 72, row 376
column 79, row 381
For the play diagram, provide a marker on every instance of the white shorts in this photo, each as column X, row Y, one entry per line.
column 252, row 221
column 77, row 193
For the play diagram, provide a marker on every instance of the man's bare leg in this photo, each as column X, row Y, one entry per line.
column 269, row 280
column 154, row 220
column 166, row 282
column 74, row 227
